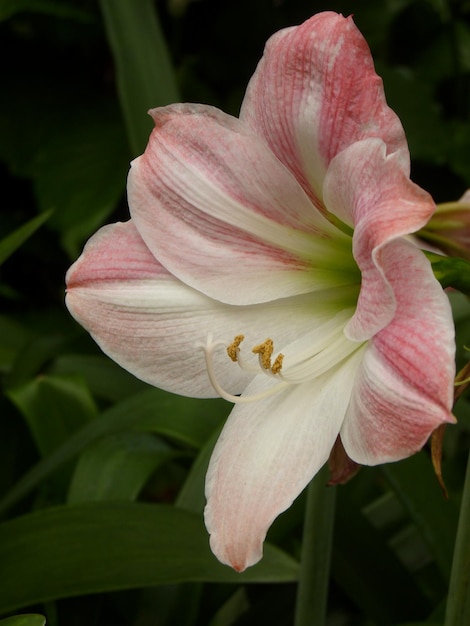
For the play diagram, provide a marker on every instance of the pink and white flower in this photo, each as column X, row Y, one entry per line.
column 286, row 227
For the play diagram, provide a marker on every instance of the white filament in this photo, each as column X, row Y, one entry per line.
column 208, row 350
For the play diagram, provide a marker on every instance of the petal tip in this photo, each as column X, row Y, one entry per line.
column 238, row 557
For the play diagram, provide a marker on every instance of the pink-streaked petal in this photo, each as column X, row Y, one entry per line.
column 217, row 208
column 404, row 387
column 314, row 93
column 138, row 313
column 150, row 323
column 267, row 453
column 368, row 189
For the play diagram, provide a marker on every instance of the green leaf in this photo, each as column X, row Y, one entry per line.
column 54, row 408
column 414, row 103
column 24, row 620
column 420, row 624
column 35, row 356
column 451, row 272
column 422, row 497
column 145, row 74
column 13, row 338
column 12, row 242
column 117, row 467
column 458, row 599
column 366, row 568
column 460, row 139
column 81, row 172
column 8, row 8
column 185, row 420
column 101, row 547
column 191, row 495
column 103, row 376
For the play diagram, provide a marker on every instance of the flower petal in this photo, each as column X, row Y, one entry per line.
column 368, row 189
column 314, row 93
column 266, row 455
column 404, row 387
column 138, row 313
column 151, row 323
column 217, row 208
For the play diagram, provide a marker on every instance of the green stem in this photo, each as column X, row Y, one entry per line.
column 312, row 593
column 458, row 600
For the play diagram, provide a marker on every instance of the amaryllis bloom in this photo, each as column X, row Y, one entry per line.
column 266, row 262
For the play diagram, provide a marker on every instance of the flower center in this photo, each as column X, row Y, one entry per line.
column 266, row 366
column 307, row 357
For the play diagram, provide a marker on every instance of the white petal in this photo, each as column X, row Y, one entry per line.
column 266, row 455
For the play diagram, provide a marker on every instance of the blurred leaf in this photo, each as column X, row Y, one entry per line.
column 447, row 54
column 74, row 149
column 460, row 150
column 12, row 242
column 367, row 569
column 420, row 624
column 462, row 33
column 103, row 376
column 145, row 75
column 117, row 467
column 191, row 496
column 441, row 7
column 422, row 497
column 185, row 420
column 81, row 173
column 103, row 547
column 460, row 307
column 24, row 620
column 413, row 101
column 35, row 354
column 232, row 609
column 13, row 338
column 8, row 8
column 54, row 408
column 451, row 272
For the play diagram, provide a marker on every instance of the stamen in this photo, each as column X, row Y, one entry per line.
column 265, row 351
column 277, row 365
column 234, row 348
column 208, row 354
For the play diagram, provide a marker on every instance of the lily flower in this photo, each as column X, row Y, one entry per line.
column 266, row 261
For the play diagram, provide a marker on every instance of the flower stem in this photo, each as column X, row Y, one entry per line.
column 458, row 600
column 312, row 591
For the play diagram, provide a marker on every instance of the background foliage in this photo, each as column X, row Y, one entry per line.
column 101, row 477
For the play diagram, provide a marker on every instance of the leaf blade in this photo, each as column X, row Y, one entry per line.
column 10, row 243
column 145, row 75
column 100, row 547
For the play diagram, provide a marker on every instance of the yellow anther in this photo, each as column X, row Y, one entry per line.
column 232, row 349
column 277, row 365
column 265, row 351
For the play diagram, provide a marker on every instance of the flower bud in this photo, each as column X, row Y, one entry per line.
column 448, row 230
